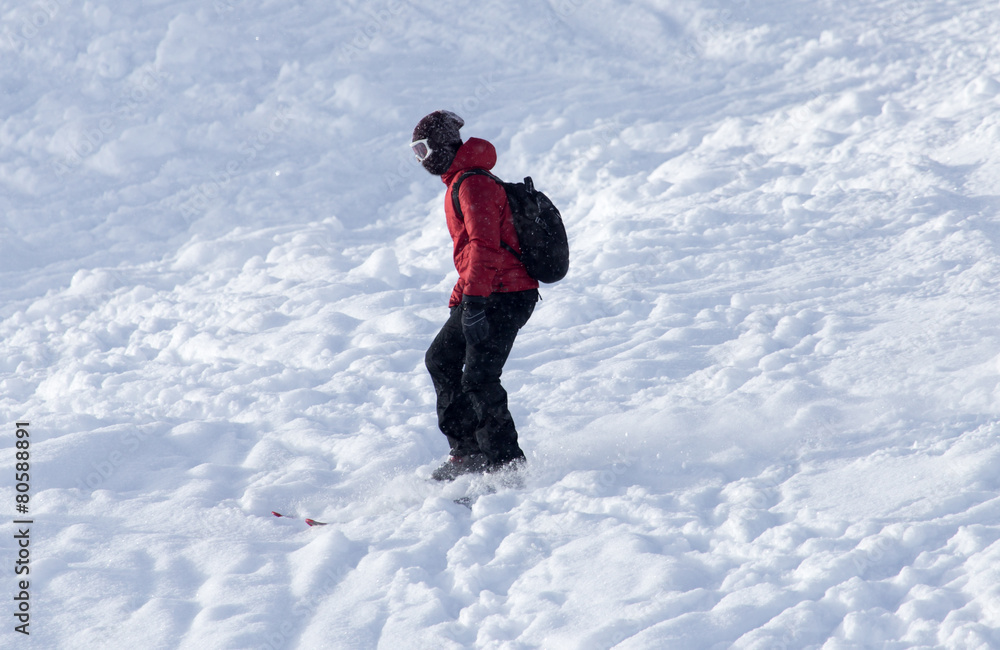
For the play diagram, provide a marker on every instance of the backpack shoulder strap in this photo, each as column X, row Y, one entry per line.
column 458, row 208
column 455, row 187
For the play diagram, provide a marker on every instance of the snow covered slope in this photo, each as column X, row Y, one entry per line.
column 760, row 412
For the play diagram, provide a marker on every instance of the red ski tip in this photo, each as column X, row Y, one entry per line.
column 309, row 522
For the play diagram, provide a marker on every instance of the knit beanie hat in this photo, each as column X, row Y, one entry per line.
column 440, row 129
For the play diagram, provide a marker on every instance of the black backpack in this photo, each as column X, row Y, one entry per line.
column 538, row 224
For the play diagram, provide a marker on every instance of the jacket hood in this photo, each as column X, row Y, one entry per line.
column 474, row 154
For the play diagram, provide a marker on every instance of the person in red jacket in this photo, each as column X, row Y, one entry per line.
column 492, row 300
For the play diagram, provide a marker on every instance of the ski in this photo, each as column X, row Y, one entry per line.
column 309, row 522
column 470, row 499
column 483, row 485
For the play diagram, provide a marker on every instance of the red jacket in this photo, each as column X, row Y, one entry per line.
column 484, row 267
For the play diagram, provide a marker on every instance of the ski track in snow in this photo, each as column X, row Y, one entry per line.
column 759, row 413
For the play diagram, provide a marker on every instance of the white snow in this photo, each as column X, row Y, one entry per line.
column 761, row 411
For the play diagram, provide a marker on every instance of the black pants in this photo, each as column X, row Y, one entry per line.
column 471, row 403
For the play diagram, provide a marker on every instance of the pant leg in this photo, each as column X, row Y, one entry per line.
column 444, row 360
column 495, row 432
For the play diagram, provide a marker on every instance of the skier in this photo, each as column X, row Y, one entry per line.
column 492, row 300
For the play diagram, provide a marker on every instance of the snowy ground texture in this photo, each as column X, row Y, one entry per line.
column 761, row 412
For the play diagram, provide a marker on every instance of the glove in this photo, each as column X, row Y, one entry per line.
column 474, row 324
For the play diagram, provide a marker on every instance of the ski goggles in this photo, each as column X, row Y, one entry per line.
column 421, row 149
